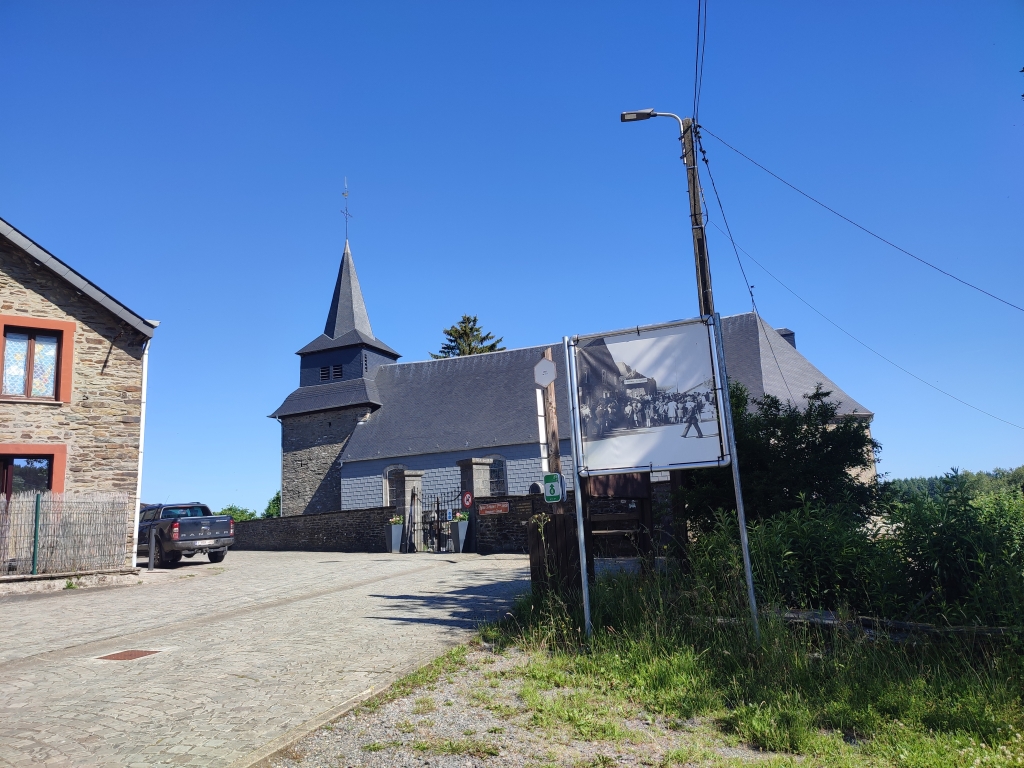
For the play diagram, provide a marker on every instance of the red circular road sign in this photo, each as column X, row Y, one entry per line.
column 467, row 499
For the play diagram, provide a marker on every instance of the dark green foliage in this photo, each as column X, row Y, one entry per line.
column 956, row 560
column 788, row 455
column 979, row 482
column 467, row 338
column 273, row 506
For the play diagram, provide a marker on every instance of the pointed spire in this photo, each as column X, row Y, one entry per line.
column 348, row 312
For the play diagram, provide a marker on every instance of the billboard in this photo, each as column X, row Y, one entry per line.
column 647, row 399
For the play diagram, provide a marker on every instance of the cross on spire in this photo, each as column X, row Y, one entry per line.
column 345, row 212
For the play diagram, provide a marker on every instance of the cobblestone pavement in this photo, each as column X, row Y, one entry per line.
column 248, row 650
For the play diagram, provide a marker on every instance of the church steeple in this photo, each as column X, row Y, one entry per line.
column 348, row 323
column 348, row 312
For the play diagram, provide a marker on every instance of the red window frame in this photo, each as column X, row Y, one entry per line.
column 57, row 454
column 65, row 333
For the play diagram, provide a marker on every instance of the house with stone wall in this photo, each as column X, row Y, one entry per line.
column 363, row 430
column 72, row 401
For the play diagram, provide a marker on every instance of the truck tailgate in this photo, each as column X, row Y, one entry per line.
column 204, row 527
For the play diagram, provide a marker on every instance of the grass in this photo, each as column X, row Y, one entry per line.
column 666, row 645
column 444, row 665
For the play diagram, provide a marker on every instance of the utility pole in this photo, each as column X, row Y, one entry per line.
column 700, row 248
column 707, row 310
column 551, row 429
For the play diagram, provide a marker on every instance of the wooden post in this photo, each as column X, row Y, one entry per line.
column 700, row 247
column 551, row 430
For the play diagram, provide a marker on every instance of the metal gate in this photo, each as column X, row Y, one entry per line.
column 429, row 528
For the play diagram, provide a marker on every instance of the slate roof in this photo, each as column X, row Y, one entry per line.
column 347, row 321
column 478, row 402
column 76, row 280
column 764, row 362
column 337, row 394
column 486, row 401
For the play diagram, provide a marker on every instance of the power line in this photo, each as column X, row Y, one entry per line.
column 870, row 349
column 750, row 288
column 698, row 60
column 863, row 228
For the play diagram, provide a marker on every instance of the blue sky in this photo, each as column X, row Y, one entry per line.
column 188, row 157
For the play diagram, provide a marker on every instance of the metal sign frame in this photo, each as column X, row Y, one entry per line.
column 717, row 371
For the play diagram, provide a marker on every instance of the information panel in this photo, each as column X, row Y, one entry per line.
column 647, row 399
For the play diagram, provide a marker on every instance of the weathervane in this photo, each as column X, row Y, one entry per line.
column 345, row 212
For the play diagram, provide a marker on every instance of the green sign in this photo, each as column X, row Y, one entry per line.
column 554, row 488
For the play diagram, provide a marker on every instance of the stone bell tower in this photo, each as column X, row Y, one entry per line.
column 336, row 391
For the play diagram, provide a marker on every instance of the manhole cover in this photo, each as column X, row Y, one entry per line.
column 127, row 655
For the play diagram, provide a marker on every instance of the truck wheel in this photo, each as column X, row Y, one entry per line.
column 159, row 558
column 216, row 557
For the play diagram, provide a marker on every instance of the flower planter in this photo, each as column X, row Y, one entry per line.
column 458, row 529
column 396, row 537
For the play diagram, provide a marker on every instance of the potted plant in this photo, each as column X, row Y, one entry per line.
column 459, row 526
column 397, row 523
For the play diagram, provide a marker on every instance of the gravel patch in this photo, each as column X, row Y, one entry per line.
column 476, row 717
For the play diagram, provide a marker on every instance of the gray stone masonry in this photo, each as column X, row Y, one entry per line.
column 507, row 533
column 358, row 530
column 101, row 424
column 310, row 446
column 476, row 475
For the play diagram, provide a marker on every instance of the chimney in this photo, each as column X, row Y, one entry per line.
column 788, row 335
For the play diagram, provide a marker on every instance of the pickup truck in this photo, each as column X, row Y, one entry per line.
column 184, row 530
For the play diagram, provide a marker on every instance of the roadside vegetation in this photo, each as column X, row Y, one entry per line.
column 240, row 514
column 891, row 616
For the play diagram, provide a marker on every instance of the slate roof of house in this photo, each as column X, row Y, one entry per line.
column 76, row 280
column 337, row 394
column 765, row 363
column 486, row 401
column 347, row 321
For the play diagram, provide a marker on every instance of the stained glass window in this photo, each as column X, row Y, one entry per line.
column 15, row 362
column 44, row 366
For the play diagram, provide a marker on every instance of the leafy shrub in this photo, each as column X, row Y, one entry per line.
column 788, row 454
column 238, row 514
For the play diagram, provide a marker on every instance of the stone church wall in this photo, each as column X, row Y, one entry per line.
column 310, row 446
column 362, row 530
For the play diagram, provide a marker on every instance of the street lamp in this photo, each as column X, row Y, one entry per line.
column 704, row 297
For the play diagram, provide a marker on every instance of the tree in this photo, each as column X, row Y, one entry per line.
column 788, row 455
column 467, row 338
column 273, row 506
column 238, row 514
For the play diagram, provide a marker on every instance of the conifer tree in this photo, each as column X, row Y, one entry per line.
column 467, row 338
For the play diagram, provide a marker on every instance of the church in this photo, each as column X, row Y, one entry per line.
column 363, row 430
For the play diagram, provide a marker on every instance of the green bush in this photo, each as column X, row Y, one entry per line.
column 238, row 514
column 787, row 454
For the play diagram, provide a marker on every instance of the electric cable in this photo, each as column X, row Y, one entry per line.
column 750, row 288
column 863, row 228
column 698, row 62
column 866, row 346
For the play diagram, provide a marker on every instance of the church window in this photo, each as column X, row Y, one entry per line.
column 366, row 363
column 336, row 371
column 393, row 485
column 499, row 478
column 325, row 373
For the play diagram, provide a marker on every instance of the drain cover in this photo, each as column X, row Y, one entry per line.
column 127, row 655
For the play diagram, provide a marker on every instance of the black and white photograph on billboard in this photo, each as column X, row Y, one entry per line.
column 648, row 398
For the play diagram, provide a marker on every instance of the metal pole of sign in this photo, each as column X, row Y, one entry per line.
column 741, row 514
column 35, row 538
column 574, row 434
column 152, row 546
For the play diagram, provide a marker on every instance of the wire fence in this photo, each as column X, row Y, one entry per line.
column 63, row 533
